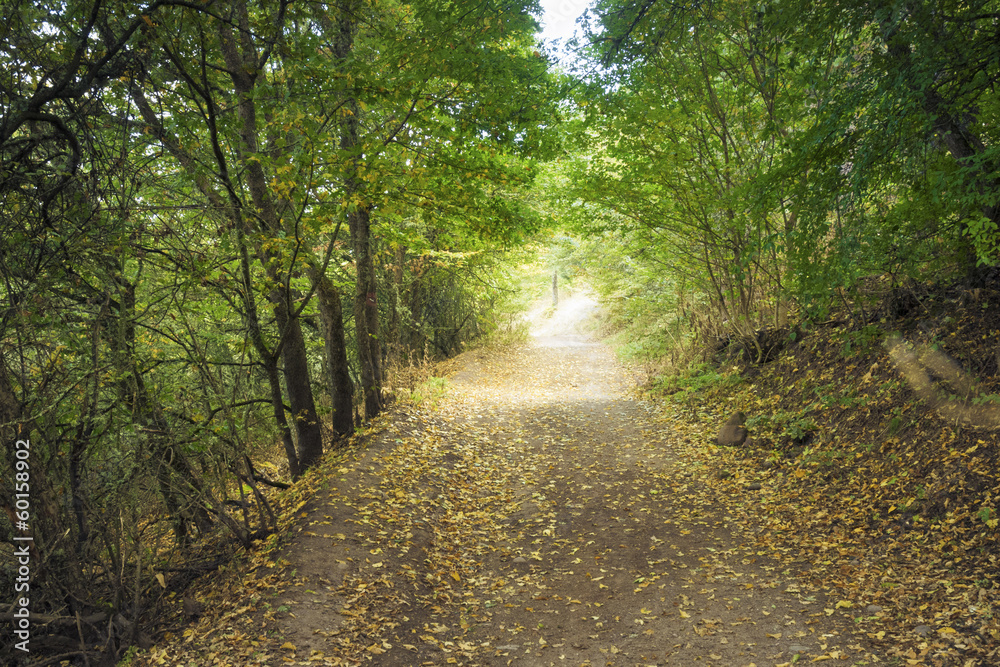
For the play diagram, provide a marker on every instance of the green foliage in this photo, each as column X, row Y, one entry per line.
column 985, row 236
column 426, row 394
column 685, row 386
column 826, row 457
column 773, row 158
column 988, row 516
column 131, row 654
column 893, row 165
column 983, row 399
column 783, row 425
column 798, row 429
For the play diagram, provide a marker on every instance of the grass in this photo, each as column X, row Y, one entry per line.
column 694, row 381
column 427, row 393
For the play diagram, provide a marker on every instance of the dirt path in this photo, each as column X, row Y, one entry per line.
column 540, row 516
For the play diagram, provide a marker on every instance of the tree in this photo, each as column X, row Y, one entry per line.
column 446, row 92
column 782, row 152
column 683, row 119
column 902, row 136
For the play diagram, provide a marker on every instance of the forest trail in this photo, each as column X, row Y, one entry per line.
column 539, row 515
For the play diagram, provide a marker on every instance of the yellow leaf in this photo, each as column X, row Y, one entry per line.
column 160, row 580
column 947, row 631
column 454, row 575
column 288, row 646
column 684, row 614
column 845, row 604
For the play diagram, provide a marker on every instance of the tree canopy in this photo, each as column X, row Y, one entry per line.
column 762, row 157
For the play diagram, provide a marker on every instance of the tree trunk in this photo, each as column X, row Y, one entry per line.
column 359, row 222
column 332, row 322
column 394, row 343
column 296, row 374
column 366, row 313
column 241, row 63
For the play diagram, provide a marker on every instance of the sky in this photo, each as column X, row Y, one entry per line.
column 559, row 18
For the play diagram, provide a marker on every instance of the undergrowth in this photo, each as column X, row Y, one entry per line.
column 689, row 384
column 427, row 393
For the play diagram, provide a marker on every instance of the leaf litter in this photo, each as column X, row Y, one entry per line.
column 886, row 504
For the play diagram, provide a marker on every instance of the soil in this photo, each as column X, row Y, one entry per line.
column 540, row 514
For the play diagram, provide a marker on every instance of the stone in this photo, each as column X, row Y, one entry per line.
column 731, row 436
column 737, row 419
column 873, row 609
column 733, row 433
column 754, row 486
column 922, row 630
